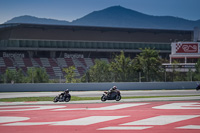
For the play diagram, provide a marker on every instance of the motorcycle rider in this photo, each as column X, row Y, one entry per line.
column 111, row 90
column 65, row 93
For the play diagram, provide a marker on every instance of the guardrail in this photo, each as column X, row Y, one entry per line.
column 36, row 87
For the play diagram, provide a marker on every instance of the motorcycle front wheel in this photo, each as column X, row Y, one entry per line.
column 118, row 98
column 67, row 99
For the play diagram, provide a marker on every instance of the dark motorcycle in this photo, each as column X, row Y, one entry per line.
column 62, row 98
column 111, row 96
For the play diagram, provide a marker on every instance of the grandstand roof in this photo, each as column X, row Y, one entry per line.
column 90, row 33
column 43, row 37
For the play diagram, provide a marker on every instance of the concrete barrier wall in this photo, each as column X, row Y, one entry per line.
column 96, row 86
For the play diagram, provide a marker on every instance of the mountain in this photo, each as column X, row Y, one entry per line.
column 117, row 16
column 35, row 20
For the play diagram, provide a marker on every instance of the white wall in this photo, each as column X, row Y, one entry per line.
column 96, row 86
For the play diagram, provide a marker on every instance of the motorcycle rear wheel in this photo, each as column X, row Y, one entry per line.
column 55, row 99
column 67, row 99
column 103, row 98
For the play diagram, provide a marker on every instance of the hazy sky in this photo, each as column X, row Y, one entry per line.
column 73, row 9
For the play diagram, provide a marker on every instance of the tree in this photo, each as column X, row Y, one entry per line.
column 99, row 72
column 37, row 75
column 30, row 75
column 189, row 75
column 8, row 76
column 19, row 76
column 176, row 75
column 13, row 76
column 122, row 68
column 138, row 67
column 70, row 74
column 148, row 62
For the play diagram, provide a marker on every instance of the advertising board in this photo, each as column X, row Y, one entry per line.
column 186, row 48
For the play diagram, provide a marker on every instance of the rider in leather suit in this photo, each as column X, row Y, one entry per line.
column 113, row 89
column 65, row 93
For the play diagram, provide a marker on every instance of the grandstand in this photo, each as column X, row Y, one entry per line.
column 55, row 47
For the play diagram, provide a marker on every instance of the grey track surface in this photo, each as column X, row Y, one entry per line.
column 196, row 98
column 99, row 93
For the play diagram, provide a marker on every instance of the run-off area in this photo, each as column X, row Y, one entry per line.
column 165, row 117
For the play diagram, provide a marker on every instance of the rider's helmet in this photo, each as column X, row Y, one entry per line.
column 67, row 91
column 114, row 87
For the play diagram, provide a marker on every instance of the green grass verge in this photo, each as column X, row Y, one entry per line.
column 74, row 98
column 26, row 99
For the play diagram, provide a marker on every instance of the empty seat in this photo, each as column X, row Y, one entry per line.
column 2, row 63
column 45, row 62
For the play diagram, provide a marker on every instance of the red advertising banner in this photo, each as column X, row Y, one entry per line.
column 187, row 48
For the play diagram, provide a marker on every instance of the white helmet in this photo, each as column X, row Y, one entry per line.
column 114, row 87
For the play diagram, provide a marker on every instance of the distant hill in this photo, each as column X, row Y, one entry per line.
column 118, row 16
column 35, row 20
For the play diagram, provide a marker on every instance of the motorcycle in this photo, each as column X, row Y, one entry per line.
column 111, row 96
column 62, row 98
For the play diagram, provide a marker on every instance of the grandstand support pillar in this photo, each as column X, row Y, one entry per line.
column 185, row 60
column 170, row 59
column 52, row 54
column 30, row 54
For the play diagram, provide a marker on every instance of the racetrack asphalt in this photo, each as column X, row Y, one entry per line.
column 99, row 93
column 183, row 93
column 152, row 115
column 140, row 117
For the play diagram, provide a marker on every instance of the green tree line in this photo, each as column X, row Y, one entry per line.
column 34, row 75
column 145, row 67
